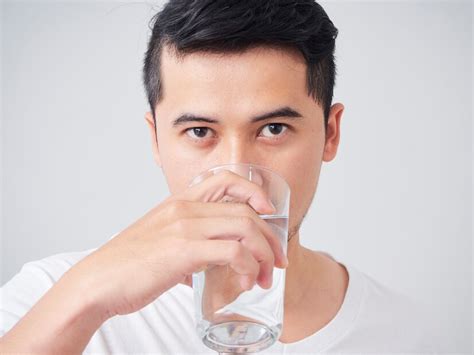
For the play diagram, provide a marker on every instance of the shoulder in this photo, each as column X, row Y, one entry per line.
column 385, row 303
column 395, row 317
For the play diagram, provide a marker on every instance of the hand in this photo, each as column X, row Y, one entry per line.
column 184, row 234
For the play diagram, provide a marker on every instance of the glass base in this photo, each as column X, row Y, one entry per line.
column 239, row 337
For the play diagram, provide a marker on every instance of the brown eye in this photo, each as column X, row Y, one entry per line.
column 275, row 129
column 198, row 132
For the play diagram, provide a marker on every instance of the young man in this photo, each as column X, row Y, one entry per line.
column 227, row 82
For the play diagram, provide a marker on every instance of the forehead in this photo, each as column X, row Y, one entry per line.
column 262, row 75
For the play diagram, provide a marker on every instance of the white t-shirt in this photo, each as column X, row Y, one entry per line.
column 372, row 318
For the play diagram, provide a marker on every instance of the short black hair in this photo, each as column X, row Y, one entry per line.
column 229, row 26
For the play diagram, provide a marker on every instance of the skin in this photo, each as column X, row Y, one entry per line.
column 232, row 88
column 192, row 229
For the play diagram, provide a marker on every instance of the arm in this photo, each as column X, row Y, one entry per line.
column 162, row 248
column 61, row 322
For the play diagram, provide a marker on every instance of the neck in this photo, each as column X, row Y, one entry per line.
column 301, row 269
column 310, row 274
column 315, row 287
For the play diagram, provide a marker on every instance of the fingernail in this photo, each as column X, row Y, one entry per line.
column 285, row 261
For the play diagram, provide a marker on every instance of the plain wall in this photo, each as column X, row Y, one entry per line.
column 396, row 202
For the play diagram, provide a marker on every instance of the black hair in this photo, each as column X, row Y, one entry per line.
column 229, row 26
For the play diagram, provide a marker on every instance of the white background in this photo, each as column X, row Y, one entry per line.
column 396, row 202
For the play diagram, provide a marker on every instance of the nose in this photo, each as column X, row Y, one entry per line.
column 236, row 150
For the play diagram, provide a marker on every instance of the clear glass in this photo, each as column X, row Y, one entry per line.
column 230, row 319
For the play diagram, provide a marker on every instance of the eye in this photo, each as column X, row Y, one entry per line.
column 197, row 132
column 275, row 129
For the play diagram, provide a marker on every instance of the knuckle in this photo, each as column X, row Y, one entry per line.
column 247, row 222
column 177, row 207
column 178, row 247
column 180, row 226
column 235, row 250
column 244, row 209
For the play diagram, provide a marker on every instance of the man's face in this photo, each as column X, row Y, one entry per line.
column 232, row 89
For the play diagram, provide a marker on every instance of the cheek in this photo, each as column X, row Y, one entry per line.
column 302, row 174
column 179, row 175
column 178, row 165
column 302, row 191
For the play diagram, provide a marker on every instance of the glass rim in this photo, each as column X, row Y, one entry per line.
column 216, row 167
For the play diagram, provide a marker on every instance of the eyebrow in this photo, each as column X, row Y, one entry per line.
column 285, row 111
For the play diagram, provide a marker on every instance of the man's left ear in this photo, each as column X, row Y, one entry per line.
column 333, row 132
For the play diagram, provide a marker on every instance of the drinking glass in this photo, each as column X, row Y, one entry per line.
column 230, row 319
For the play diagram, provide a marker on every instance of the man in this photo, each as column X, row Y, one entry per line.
column 227, row 82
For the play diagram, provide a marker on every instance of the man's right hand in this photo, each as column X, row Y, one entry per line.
column 184, row 234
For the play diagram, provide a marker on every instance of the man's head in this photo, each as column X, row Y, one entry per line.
column 243, row 81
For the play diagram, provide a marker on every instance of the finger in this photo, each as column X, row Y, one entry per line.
column 243, row 229
column 226, row 252
column 193, row 209
column 273, row 239
column 225, row 182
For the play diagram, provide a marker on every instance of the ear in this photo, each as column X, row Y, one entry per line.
column 333, row 132
column 154, row 139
